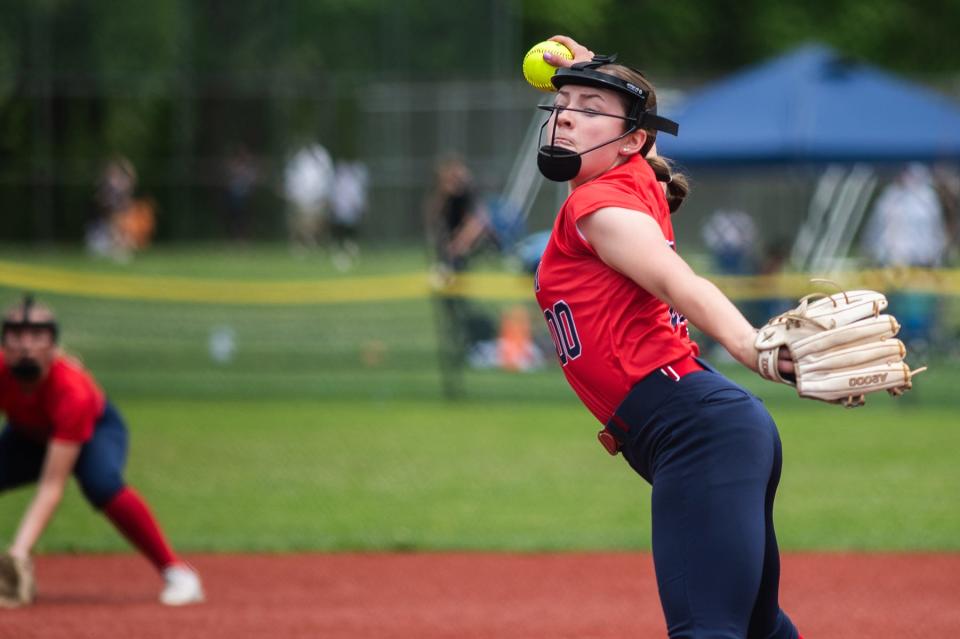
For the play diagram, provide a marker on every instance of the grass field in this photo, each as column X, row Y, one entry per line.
column 303, row 442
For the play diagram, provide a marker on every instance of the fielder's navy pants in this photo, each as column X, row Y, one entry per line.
column 712, row 454
column 99, row 468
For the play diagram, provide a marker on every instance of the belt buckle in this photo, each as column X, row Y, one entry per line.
column 609, row 442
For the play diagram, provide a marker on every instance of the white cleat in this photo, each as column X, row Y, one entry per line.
column 182, row 586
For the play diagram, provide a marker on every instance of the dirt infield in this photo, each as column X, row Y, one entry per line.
column 426, row 596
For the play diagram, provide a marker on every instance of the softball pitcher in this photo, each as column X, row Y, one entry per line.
column 616, row 297
column 61, row 423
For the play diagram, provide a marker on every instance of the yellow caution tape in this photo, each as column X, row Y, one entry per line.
column 418, row 285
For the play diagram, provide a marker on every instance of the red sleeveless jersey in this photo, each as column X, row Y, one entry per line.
column 609, row 332
column 65, row 406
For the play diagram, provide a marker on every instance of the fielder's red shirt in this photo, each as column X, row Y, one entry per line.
column 609, row 332
column 64, row 406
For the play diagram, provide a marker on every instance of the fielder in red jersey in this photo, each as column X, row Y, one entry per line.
column 59, row 422
column 616, row 297
column 64, row 406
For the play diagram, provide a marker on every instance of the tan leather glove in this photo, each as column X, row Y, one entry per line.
column 841, row 345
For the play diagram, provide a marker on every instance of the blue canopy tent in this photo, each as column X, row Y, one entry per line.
column 811, row 105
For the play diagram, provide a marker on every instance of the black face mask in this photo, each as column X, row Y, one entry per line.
column 26, row 370
column 558, row 164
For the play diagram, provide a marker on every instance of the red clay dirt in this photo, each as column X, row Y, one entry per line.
column 472, row 595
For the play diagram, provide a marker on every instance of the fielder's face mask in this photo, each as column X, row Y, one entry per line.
column 561, row 165
column 28, row 369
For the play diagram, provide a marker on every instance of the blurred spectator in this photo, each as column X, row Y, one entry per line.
column 731, row 237
column 241, row 174
column 118, row 181
column 134, row 227
column 348, row 204
column 514, row 349
column 455, row 219
column 125, row 224
column 307, row 181
column 455, row 223
column 906, row 228
column 946, row 181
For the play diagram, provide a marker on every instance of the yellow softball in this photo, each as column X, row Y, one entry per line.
column 536, row 70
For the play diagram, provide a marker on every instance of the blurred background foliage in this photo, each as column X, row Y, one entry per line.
column 174, row 84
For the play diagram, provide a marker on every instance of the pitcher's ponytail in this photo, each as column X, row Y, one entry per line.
column 677, row 184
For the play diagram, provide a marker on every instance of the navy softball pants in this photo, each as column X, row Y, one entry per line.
column 99, row 468
column 712, row 454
